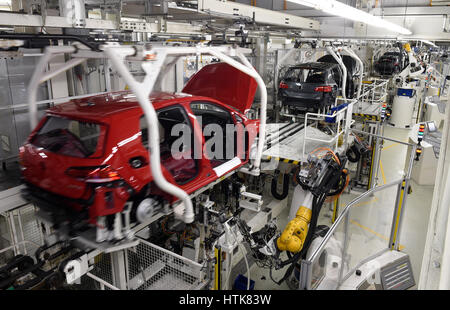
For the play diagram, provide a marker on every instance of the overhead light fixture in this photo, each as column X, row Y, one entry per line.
column 337, row 8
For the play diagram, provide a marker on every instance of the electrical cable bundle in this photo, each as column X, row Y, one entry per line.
column 332, row 185
column 316, row 207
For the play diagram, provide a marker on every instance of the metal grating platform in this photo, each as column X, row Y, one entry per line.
column 151, row 267
column 398, row 275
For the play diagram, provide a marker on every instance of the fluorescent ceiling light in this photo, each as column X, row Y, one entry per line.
column 337, row 8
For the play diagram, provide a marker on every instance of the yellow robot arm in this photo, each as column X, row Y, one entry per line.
column 294, row 234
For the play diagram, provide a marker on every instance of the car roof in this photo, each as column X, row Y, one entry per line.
column 314, row 65
column 105, row 105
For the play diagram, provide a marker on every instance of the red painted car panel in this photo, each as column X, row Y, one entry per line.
column 237, row 89
column 105, row 179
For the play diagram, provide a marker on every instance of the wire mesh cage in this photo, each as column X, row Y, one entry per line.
column 30, row 227
column 147, row 267
column 151, row 267
column 21, row 233
column 103, row 269
column 5, row 240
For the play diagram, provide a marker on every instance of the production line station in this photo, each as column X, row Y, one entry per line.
column 224, row 145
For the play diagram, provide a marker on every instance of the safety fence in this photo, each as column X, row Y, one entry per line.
column 21, row 233
column 368, row 226
column 144, row 267
column 374, row 91
column 337, row 120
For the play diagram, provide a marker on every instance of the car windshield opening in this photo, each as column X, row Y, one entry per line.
column 308, row 75
column 68, row 137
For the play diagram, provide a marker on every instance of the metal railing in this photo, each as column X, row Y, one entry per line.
column 355, row 238
column 146, row 267
column 151, row 267
column 342, row 128
column 372, row 94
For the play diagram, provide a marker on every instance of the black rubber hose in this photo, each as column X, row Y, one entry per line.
column 285, row 192
column 343, row 181
column 353, row 154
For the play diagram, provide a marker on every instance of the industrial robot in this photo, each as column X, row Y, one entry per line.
column 413, row 70
column 319, row 179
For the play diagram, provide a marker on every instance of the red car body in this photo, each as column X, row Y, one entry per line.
column 62, row 174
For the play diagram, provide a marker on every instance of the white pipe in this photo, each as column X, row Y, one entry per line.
column 61, row 68
column 107, row 74
column 142, row 91
column 263, row 111
column 283, row 59
column 55, row 101
column 37, row 78
column 361, row 68
column 248, row 69
column 241, row 247
column 243, row 252
column 344, row 69
column 164, row 71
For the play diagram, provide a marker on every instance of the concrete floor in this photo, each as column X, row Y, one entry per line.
column 371, row 219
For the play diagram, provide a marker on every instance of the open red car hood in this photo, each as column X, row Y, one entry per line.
column 224, row 83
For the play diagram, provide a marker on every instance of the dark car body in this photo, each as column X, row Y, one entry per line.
column 310, row 86
column 351, row 65
column 88, row 157
column 391, row 63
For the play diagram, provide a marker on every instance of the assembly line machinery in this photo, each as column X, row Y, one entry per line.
column 166, row 253
column 297, row 212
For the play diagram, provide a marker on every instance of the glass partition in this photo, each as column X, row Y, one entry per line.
column 326, row 268
column 369, row 223
column 361, row 232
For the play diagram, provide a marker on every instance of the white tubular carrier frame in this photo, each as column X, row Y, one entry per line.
column 338, row 59
column 142, row 90
column 360, row 65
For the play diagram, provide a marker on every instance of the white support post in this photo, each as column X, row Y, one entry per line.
column 106, row 68
column 118, row 266
column 39, row 76
column 343, row 67
column 361, row 68
column 435, row 270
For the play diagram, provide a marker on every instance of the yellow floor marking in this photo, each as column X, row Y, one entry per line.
column 401, row 247
column 382, row 172
column 361, row 203
column 389, row 146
